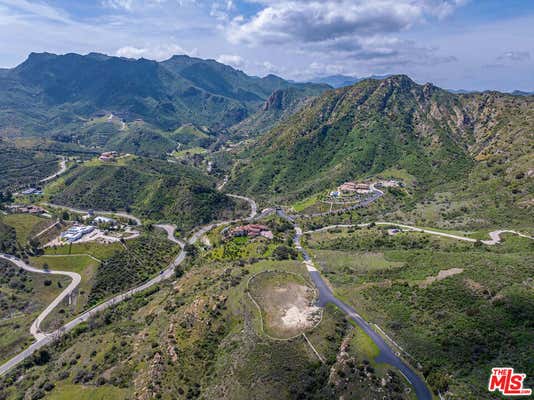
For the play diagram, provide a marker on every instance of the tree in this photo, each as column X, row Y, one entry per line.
column 42, row 357
column 191, row 250
column 281, row 253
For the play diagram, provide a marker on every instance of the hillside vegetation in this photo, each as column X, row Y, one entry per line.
column 467, row 142
column 20, row 167
column 52, row 94
column 154, row 190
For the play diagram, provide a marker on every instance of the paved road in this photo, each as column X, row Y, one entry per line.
column 62, row 169
column 75, row 281
column 80, row 211
column 170, row 229
column 386, row 355
column 252, row 204
column 45, row 339
column 495, row 235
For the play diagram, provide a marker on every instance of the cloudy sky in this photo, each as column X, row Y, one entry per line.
column 468, row 44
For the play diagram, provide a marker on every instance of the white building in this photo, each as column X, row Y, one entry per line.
column 76, row 232
column 103, row 220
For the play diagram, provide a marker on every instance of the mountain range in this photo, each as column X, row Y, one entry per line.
column 54, row 94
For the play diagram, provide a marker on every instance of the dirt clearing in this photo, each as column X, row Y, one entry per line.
column 286, row 303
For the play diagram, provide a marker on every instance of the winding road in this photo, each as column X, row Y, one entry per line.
column 75, row 281
column 386, row 355
column 43, row 339
column 62, row 169
column 495, row 236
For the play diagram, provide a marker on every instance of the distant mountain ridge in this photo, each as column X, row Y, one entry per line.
column 47, row 92
column 339, row 81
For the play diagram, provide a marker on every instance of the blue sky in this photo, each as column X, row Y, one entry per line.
column 484, row 44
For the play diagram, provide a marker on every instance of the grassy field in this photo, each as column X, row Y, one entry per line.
column 96, row 250
column 73, row 263
column 82, row 392
column 333, row 261
column 26, row 225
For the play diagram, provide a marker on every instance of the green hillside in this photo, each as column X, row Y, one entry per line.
column 22, row 168
column 52, row 94
column 467, row 142
column 154, row 190
column 280, row 105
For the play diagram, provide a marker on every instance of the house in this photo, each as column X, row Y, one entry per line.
column 108, row 156
column 251, row 230
column 103, row 220
column 334, row 193
column 33, row 210
column 31, row 191
column 76, row 232
column 353, row 187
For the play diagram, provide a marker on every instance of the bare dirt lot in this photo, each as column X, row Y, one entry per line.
column 286, row 302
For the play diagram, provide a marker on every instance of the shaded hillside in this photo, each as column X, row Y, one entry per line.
column 20, row 168
column 438, row 137
column 280, row 105
column 154, row 190
column 51, row 93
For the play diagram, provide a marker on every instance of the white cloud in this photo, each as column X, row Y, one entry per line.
column 514, row 56
column 232, row 60
column 159, row 52
column 34, row 10
column 118, row 4
column 314, row 21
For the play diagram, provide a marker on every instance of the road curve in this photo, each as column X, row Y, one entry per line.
column 252, row 203
column 80, row 211
column 167, row 273
column 170, row 229
column 75, row 281
column 62, row 169
column 45, row 339
column 386, row 355
column 495, row 235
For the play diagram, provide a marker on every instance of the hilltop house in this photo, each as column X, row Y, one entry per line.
column 251, row 230
column 31, row 191
column 108, row 156
column 353, row 187
column 76, row 232
column 103, row 220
